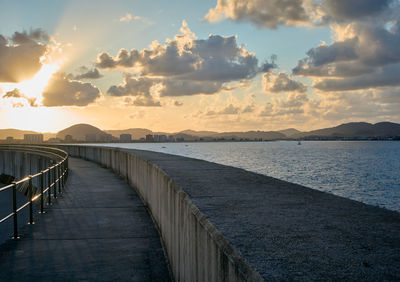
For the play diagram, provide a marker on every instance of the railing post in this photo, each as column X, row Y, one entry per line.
column 48, row 184
column 14, row 192
column 54, row 182
column 59, row 178
column 41, row 192
column 30, row 200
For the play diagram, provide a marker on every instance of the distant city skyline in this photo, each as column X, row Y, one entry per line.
column 205, row 65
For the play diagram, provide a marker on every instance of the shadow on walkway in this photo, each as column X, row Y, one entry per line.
column 99, row 230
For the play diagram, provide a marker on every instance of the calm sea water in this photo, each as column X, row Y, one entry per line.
column 366, row 171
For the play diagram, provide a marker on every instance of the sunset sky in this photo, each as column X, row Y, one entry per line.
column 220, row 65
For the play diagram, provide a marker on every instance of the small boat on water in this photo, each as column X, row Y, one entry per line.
column 299, row 143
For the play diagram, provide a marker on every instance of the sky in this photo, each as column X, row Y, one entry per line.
column 221, row 65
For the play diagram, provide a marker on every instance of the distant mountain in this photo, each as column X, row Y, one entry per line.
column 290, row 132
column 265, row 135
column 19, row 134
column 352, row 130
column 197, row 133
column 79, row 131
column 355, row 130
column 136, row 133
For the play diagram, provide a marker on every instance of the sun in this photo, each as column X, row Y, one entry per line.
column 33, row 88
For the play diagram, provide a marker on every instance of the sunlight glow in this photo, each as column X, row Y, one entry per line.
column 33, row 88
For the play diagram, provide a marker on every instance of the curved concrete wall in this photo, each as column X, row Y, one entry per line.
column 20, row 164
column 196, row 250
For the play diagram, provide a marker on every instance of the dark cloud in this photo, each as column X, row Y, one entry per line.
column 365, row 55
column 281, row 82
column 384, row 77
column 353, row 9
column 178, row 104
column 86, row 74
column 273, row 13
column 20, row 56
column 61, row 91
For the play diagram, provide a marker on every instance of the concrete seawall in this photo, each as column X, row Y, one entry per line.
column 196, row 250
column 220, row 223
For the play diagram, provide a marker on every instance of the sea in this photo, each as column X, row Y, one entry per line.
column 366, row 171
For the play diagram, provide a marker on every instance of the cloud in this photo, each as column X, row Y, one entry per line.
column 369, row 47
column 343, row 10
column 263, row 13
column 171, row 87
column 86, row 74
column 128, row 17
column 178, row 103
column 139, row 87
column 274, row 13
column 364, row 53
column 132, row 86
column 281, row 82
column 383, row 77
column 16, row 93
column 20, row 56
column 217, row 58
column 294, row 104
column 62, row 91
column 184, row 65
column 232, row 109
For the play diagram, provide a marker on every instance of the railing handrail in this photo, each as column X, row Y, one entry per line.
column 56, row 174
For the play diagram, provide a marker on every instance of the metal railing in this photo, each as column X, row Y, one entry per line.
column 51, row 182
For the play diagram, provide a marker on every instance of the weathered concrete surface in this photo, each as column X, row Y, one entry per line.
column 214, row 219
column 98, row 231
column 287, row 231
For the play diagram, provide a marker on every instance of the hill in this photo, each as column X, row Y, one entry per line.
column 79, row 131
column 289, row 132
column 354, row 130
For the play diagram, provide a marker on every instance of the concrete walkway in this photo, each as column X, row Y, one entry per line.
column 98, row 231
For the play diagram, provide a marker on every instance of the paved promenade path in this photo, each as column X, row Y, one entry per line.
column 99, row 230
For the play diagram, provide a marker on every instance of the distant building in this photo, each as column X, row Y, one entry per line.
column 68, row 138
column 105, row 137
column 179, row 139
column 125, row 138
column 149, row 138
column 163, row 138
column 171, row 138
column 142, row 139
column 90, row 137
column 156, row 138
column 33, row 138
column 54, row 140
column 10, row 139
